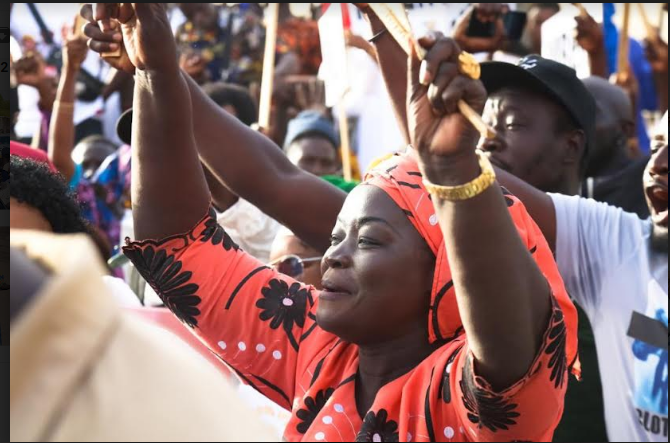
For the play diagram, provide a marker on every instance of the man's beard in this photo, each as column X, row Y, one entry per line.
column 659, row 239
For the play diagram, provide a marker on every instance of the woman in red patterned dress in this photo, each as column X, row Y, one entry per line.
column 400, row 344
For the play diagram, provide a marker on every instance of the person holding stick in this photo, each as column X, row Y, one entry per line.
column 454, row 355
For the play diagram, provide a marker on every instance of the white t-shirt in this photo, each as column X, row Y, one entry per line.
column 604, row 255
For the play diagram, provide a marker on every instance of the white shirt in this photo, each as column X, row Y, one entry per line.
column 604, row 255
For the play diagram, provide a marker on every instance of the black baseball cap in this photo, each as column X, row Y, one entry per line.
column 124, row 126
column 555, row 80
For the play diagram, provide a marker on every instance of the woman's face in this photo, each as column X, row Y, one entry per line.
column 377, row 274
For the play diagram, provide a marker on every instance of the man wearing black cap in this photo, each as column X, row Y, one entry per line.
column 614, row 265
column 544, row 119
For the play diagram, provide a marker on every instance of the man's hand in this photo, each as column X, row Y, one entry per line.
column 436, row 126
column 142, row 30
column 30, row 70
column 589, row 34
column 656, row 51
column 75, row 51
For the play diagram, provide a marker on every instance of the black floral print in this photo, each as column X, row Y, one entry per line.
column 556, row 347
column 164, row 274
column 285, row 306
column 313, row 408
column 484, row 408
column 216, row 234
column 377, row 427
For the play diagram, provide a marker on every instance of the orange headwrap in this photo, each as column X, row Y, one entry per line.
column 400, row 178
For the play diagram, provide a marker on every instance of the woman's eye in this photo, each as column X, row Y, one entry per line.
column 363, row 241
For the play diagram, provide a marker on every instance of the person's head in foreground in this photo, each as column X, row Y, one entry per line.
column 91, row 152
column 656, row 185
column 85, row 369
column 544, row 118
column 312, row 144
column 295, row 258
column 41, row 200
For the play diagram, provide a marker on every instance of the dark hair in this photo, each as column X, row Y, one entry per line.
column 236, row 96
column 34, row 184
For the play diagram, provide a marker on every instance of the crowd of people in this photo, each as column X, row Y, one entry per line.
column 454, row 287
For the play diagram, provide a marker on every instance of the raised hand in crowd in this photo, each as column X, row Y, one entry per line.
column 445, row 142
column 590, row 37
column 161, row 101
column 259, row 164
column 61, row 128
column 109, row 38
column 656, row 51
column 30, row 70
column 75, row 49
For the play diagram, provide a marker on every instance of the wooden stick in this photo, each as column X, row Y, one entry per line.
column 651, row 32
column 622, row 59
column 344, row 141
column 476, row 120
column 399, row 29
column 79, row 23
column 582, row 10
column 267, row 81
column 343, row 122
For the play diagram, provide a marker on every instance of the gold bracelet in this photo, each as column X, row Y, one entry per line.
column 468, row 190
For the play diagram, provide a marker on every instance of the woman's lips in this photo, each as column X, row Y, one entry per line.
column 332, row 291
